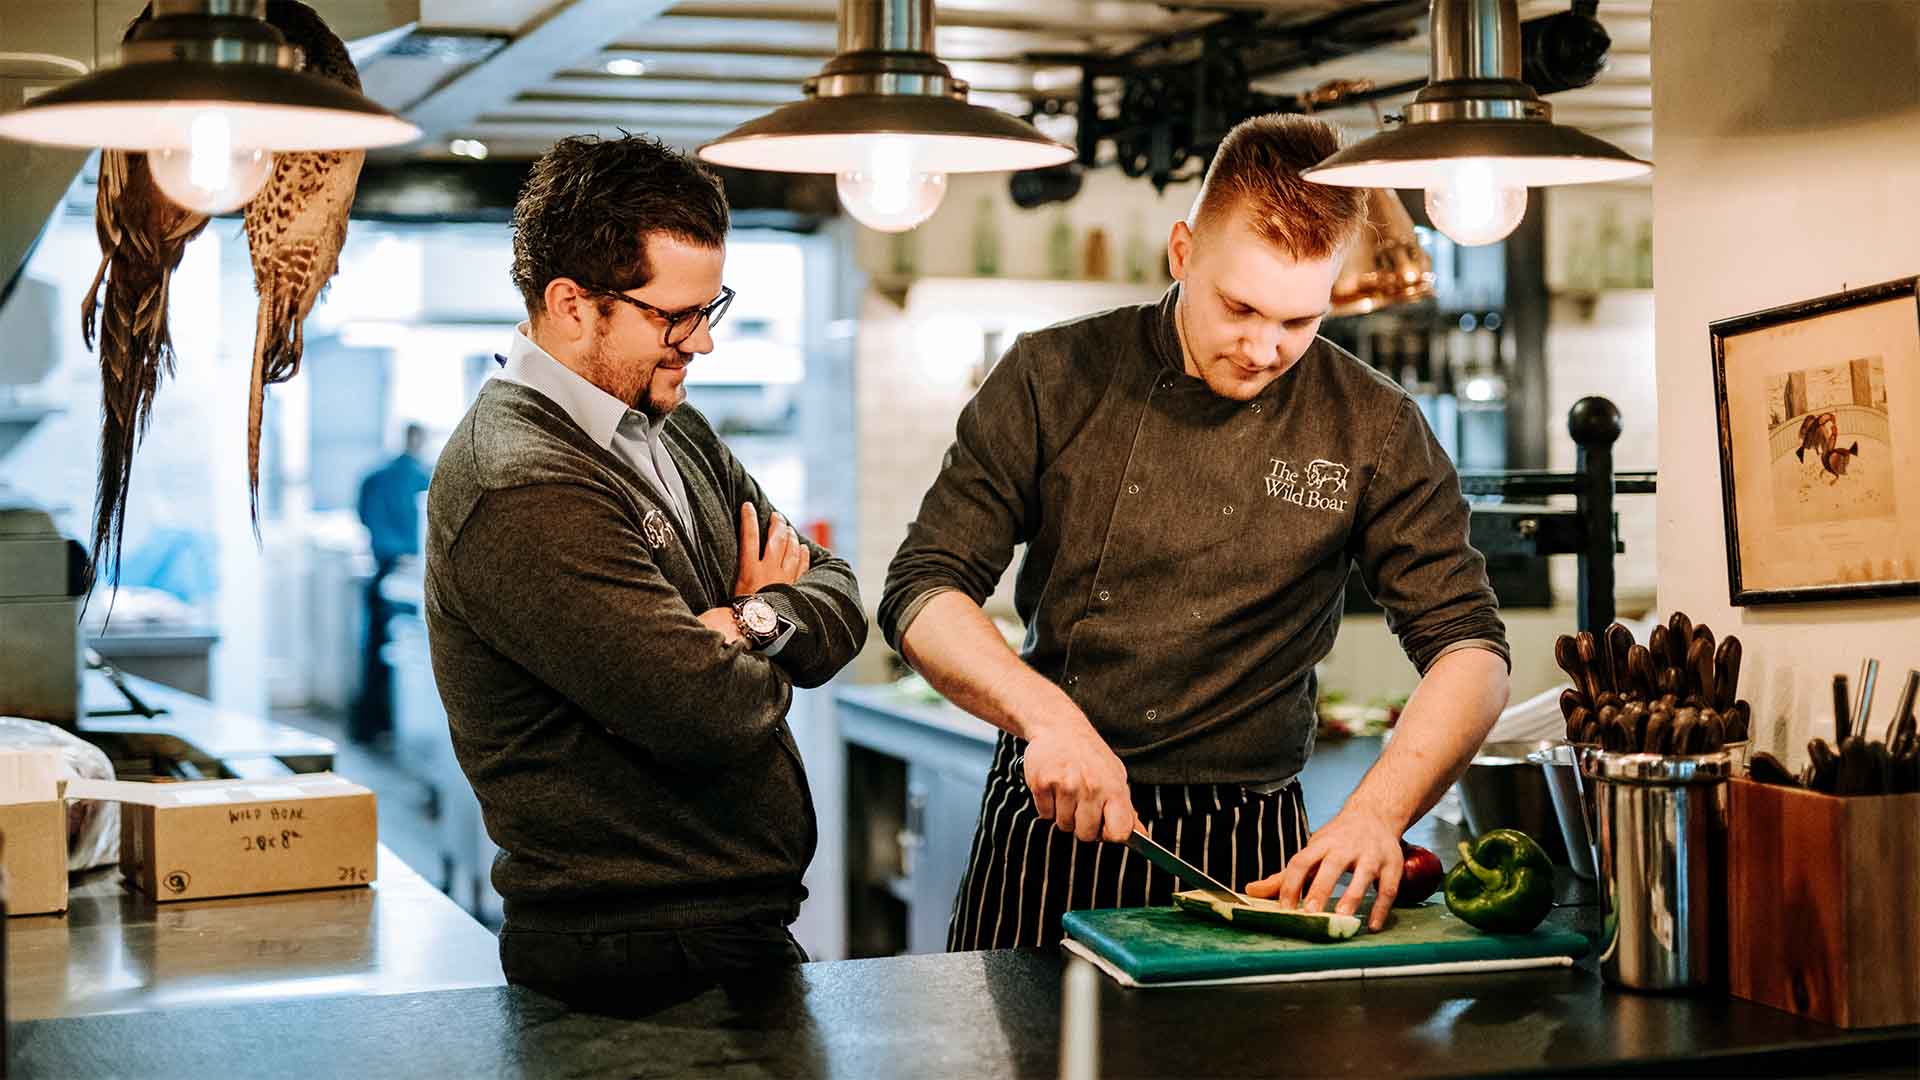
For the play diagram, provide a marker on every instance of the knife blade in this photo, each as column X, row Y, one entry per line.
column 1180, row 868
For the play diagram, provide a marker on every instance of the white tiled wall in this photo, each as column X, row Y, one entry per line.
column 915, row 366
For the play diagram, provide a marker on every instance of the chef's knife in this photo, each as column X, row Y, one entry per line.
column 1182, row 869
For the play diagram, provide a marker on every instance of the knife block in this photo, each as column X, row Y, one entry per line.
column 1823, row 903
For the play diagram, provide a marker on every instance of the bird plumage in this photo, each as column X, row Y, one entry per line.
column 295, row 229
column 143, row 235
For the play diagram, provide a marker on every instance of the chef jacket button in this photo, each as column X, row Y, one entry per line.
column 1133, row 489
column 1228, row 510
column 1256, row 406
column 1105, row 595
column 1153, row 714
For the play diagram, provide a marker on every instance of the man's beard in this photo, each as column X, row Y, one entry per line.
column 610, row 377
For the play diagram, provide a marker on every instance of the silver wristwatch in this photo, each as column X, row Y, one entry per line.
column 759, row 624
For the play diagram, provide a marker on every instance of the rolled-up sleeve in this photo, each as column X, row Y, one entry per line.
column 1411, row 544
column 980, row 507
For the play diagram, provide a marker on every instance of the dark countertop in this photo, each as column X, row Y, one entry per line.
column 968, row 1015
column 979, row 1015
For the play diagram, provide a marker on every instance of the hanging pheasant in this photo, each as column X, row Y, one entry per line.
column 296, row 226
column 143, row 235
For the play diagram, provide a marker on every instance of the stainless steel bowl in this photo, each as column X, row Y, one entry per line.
column 1502, row 789
column 1572, row 805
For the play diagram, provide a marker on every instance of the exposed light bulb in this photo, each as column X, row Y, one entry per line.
column 210, row 175
column 1472, row 208
column 1484, row 388
column 890, row 193
column 626, row 66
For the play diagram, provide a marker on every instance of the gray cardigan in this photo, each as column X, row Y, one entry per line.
column 636, row 770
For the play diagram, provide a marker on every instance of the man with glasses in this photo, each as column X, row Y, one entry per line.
column 615, row 644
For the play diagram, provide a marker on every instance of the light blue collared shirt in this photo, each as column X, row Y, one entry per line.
column 633, row 436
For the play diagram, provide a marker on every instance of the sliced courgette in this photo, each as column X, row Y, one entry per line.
column 1253, row 913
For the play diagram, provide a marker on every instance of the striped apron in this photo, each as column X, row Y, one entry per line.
column 1025, row 873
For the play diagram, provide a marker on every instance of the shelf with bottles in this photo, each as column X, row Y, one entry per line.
column 1603, row 256
column 1084, row 294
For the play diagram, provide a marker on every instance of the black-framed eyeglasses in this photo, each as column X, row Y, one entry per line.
column 680, row 324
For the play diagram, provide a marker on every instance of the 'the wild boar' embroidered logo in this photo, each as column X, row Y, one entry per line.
column 1321, row 472
column 1323, row 481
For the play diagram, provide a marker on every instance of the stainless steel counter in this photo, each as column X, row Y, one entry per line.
column 192, row 729
column 116, row 951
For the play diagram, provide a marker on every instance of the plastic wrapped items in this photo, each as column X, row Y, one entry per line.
column 93, row 827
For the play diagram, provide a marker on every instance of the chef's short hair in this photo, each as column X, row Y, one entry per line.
column 590, row 204
column 1256, row 172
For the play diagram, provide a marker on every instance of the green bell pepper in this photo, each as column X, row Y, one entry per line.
column 1503, row 883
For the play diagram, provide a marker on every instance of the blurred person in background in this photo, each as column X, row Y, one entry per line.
column 390, row 509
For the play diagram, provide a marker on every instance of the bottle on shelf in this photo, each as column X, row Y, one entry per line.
column 1136, row 252
column 1643, row 254
column 903, row 252
column 1098, row 266
column 1616, row 252
column 1060, row 247
column 1581, row 272
column 986, row 240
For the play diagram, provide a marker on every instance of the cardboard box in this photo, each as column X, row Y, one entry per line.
column 36, row 856
column 1823, row 918
column 207, row 838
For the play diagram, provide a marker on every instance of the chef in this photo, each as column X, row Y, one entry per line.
column 1193, row 480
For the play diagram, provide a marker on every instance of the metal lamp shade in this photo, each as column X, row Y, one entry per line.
column 1475, row 105
column 151, row 106
column 836, row 134
column 884, row 85
column 1521, row 153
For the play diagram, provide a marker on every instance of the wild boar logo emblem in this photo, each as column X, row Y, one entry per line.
column 1321, row 472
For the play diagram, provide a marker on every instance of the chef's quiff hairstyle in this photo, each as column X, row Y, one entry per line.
column 590, row 204
column 1256, row 172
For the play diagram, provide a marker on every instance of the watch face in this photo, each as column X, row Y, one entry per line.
column 759, row 617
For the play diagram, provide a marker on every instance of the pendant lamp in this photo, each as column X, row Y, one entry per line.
column 889, row 119
column 1477, row 137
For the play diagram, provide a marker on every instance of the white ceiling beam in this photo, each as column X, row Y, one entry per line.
column 569, row 32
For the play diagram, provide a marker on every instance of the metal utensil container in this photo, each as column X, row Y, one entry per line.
column 1661, row 829
column 1502, row 788
column 1572, row 806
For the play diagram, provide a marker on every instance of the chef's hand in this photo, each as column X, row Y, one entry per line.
column 1077, row 782
column 1354, row 840
column 783, row 562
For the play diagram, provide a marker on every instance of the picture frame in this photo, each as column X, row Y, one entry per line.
column 1819, row 426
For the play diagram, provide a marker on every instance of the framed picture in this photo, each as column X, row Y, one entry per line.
column 1819, row 408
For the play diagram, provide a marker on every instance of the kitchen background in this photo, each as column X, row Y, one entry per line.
column 841, row 367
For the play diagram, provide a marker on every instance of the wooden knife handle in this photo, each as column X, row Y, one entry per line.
column 1679, row 638
column 1640, row 672
column 1726, row 671
column 1571, row 699
column 1700, row 668
column 1739, row 722
column 1596, row 665
column 1566, row 653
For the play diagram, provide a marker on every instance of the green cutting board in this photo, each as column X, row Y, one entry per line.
column 1163, row 944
